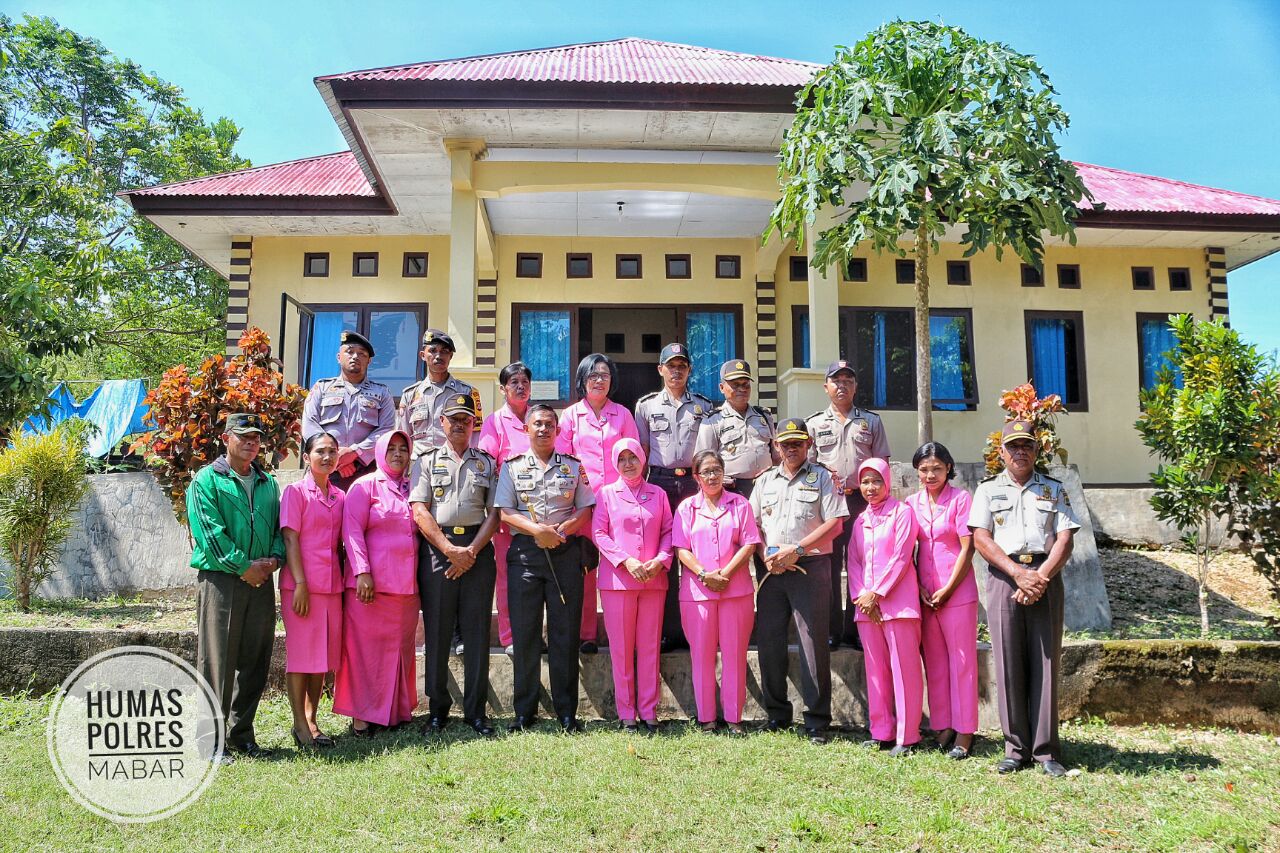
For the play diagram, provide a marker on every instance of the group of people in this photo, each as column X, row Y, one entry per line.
column 693, row 523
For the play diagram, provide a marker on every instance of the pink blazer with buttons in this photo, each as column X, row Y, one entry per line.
column 631, row 524
column 881, row 559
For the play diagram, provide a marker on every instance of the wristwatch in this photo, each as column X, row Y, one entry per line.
column 702, row 575
column 800, row 551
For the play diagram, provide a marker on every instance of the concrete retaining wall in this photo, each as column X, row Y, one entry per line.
column 1168, row 682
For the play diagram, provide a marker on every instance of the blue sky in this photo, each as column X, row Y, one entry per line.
column 1187, row 90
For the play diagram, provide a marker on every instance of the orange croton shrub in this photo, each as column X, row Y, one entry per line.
column 1022, row 404
column 189, row 411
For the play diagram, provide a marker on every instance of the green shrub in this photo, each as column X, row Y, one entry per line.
column 42, row 480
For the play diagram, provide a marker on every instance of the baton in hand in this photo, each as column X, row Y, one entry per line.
column 550, row 565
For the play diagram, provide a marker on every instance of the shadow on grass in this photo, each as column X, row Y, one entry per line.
column 1102, row 757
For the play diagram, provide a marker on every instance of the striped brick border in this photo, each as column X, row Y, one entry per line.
column 487, row 322
column 767, row 344
column 1216, row 259
column 238, row 294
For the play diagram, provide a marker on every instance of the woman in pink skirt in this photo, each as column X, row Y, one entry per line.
column 377, row 681
column 949, row 593
column 882, row 584
column 715, row 534
column 632, row 528
column 311, row 585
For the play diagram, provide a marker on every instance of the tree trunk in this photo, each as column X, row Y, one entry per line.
column 1204, row 577
column 924, row 362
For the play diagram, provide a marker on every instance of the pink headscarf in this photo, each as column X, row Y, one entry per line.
column 634, row 446
column 881, row 467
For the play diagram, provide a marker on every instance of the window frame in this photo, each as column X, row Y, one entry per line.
column 1081, row 357
column 797, row 263
column 535, row 257
column 308, row 257
column 1063, row 268
column 1151, row 277
column 571, row 257
column 1185, row 271
column 688, row 266
column 618, row 261
column 736, row 260
column 901, row 264
column 405, row 272
column 357, row 257
column 365, row 311
column 959, row 265
column 1029, row 276
column 848, row 270
column 1139, row 318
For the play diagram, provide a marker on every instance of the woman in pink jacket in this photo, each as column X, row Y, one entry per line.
column 882, row 584
column 377, row 681
column 714, row 534
column 949, row 593
column 502, row 435
column 632, row 528
column 311, row 585
column 588, row 430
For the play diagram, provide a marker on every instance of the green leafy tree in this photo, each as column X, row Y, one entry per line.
column 1217, row 434
column 88, row 288
column 916, row 129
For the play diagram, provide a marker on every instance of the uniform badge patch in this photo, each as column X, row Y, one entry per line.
column 999, row 519
column 697, row 410
column 439, row 493
column 811, row 477
column 564, row 469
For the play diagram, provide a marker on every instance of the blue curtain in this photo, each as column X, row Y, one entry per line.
column 1049, row 357
column 802, row 335
column 947, row 362
column 326, row 329
column 544, row 346
column 395, row 336
column 881, row 361
column 1157, row 343
column 712, row 340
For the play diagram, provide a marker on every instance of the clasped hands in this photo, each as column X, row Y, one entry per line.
column 869, row 603
column 259, row 571
column 461, row 559
column 642, row 570
column 785, row 559
column 1031, row 586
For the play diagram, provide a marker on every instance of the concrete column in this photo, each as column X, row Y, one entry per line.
column 824, row 306
column 462, row 249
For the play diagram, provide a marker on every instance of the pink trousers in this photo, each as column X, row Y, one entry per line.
column 895, row 685
column 590, row 624
column 949, row 638
column 633, row 623
column 501, row 542
column 722, row 625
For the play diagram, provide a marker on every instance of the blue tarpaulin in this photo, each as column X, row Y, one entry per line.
column 115, row 408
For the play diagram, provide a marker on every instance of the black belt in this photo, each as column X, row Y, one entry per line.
column 669, row 472
column 1029, row 559
column 452, row 530
column 728, row 479
column 525, row 540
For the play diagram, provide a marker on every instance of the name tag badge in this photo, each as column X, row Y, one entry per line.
column 659, row 423
column 331, row 400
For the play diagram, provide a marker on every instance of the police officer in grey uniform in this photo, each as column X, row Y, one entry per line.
column 741, row 433
column 454, row 489
column 798, row 510
column 354, row 408
column 544, row 498
column 668, row 422
column 422, row 403
column 1023, row 525
column 844, row 436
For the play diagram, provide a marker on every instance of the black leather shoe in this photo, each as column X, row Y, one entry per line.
column 436, row 725
column 367, row 731
column 1053, row 768
column 651, row 726
column 1011, row 765
column 520, row 724
column 777, row 726
column 571, row 725
column 629, row 726
column 249, row 749
column 816, row 736
column 481, row 727
column 589, row 648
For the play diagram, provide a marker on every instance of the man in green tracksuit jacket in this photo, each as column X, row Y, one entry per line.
column 233, row 508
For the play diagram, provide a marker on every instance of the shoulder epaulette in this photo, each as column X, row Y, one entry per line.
column 816, row 414
column 570, row 456
column 648, row 396
column 695, row 395
column 1051, row 479
column 409, row 388
column 988, row 479
column 763, row 412
column 486, row 454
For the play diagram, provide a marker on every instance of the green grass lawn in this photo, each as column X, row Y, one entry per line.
column 1140, row 789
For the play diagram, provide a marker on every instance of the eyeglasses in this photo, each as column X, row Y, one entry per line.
column 599, row 377
column 711, row 473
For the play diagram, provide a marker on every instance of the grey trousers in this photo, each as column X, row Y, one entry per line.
column 235, row 634
column 1026, row 643
column 806, row 597
column 467, row 603
column 531, row 590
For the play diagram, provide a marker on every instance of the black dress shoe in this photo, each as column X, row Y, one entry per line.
column 520, row 724
column 777, row 726
column 436, row 725
column 571, row 725
column 651, row 726
column 249, row 749
column 589, row 647
column 816, row 735
column 481, row 727
column 629, row 726
column 1053, row 768
column 323, row 741
column 1011, row 765
column 367, row 731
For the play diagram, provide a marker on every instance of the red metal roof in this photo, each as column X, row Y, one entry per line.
column 1131, row 191
column 626, row 60
column 327, row 176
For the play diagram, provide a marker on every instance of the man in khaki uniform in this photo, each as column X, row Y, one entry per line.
column 422, row 403
column 845, row 436
column 797, row 508
column 1022, row 526
column 453, row 506
column 741, row 433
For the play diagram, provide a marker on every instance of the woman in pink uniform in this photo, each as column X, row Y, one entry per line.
column 311, row 585
column 949, row 593
column 632, row 528
column 714, row 534
column 588, row 430
column 882, row 584
column 377, row 680
column 502, row 436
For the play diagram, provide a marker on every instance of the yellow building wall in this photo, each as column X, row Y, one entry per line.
column 1102, row 441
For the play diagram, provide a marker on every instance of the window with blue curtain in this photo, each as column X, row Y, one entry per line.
column 883, row 350
column 801, row 358
column 395, row 336
column 712, row 338
column 545, row 344
column 1156, row 343
column 1057, row 364
column 950, row 366
column 326, row 329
